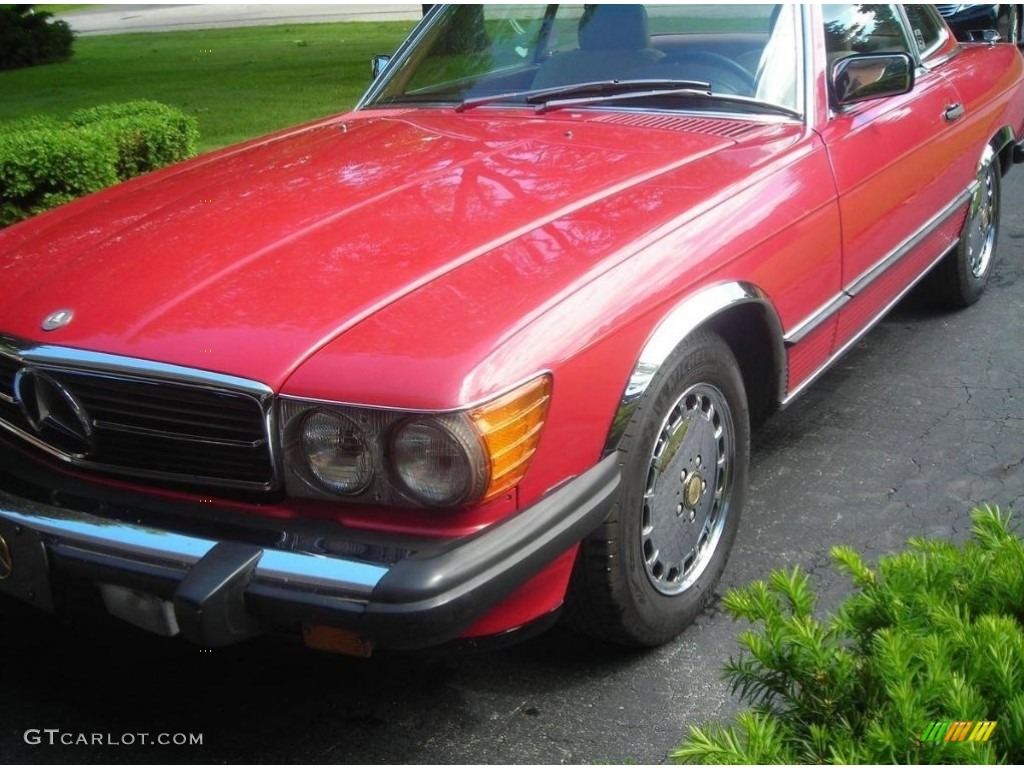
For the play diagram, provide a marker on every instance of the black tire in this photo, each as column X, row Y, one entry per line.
column 693, row 417
column 960, row 278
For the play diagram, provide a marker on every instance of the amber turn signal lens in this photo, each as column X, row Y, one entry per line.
column 336, row 641
column 510, row 428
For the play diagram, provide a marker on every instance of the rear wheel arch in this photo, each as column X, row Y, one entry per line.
column 1002, row 143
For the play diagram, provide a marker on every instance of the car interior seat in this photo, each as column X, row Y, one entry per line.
column 613, row 40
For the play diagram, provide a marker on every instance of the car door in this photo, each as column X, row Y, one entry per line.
column 899, row 197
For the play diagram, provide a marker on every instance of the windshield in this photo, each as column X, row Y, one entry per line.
column 504, row 54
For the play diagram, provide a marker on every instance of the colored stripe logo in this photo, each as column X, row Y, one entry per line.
column 958, row 730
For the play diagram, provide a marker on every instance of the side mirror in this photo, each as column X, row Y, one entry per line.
column 379, row 63
column 866, row 76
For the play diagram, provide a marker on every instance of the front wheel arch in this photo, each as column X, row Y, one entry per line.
column 652, row 566
column 740, row 313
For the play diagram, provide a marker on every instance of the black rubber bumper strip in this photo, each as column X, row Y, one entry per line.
column 226, row 591
column 424, row 601
column 1018, row 152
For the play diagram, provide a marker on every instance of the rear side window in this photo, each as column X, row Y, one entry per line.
column 863, row 28
column 926, row 28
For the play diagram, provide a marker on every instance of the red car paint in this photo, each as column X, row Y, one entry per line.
column 428, row 259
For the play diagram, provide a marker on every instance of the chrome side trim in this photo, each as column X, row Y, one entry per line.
column 860, row 334
column 810, row 323
column 683, row 320
column 803, row 328
column 890, row 259
column 298, row 570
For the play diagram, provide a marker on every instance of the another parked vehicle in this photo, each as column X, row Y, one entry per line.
column 970, row 21
column 491, row 345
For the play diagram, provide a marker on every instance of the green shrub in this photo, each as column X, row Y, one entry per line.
column 44, row 167
column 935, row 634
column 45, row 162
column 28, row 38
column 148, row 134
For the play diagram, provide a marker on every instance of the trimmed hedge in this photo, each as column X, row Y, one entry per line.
column 28, row 38
column 46, row 162
column 148, row 134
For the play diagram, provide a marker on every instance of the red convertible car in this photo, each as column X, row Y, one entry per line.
column 487, row 349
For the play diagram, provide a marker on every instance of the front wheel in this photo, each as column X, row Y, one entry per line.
column 960, row 278
column 652, row 567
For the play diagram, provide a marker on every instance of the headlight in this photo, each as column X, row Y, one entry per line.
column 336, row 452
column 377, row 456
column 439, row 460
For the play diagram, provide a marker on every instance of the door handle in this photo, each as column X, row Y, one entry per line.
column 953, row 112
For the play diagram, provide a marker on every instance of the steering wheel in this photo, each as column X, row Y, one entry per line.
column 730, row 73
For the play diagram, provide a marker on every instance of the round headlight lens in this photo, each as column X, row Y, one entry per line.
column 337, row 452
column 439, row 461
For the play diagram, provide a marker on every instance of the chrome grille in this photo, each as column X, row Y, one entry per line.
column 144, row 423
column 947, row 10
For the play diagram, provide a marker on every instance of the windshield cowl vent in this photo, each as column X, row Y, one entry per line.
column 728, row 128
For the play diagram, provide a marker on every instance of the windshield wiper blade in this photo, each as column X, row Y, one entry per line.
column 583, row 101
column 596, row 87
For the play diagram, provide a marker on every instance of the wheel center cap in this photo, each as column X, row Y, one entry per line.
column 692, row 489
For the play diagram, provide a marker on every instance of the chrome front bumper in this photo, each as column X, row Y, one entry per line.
column 220, row 591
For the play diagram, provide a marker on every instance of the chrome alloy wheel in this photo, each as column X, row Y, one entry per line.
column 689, row 480
column 980, row 229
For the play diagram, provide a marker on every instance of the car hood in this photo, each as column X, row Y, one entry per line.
column 249, row 260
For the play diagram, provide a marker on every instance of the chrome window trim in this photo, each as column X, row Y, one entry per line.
column 70, row 360
column 399, row 58
column 809, row 102
column 804, row 79
column 673, row 329
column 940, row 60
column 943, row 33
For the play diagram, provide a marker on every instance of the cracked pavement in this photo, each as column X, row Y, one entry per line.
column 923, row 419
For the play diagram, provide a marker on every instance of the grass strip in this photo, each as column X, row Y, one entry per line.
column 239, row 82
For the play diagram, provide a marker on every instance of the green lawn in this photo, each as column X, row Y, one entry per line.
column 239, row 82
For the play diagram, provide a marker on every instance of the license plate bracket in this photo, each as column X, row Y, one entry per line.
column 24, row 567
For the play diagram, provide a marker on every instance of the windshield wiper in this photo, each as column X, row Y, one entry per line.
column 583, row 101
column 597, row 88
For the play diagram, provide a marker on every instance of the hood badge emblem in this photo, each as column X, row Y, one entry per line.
column 57, row 319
